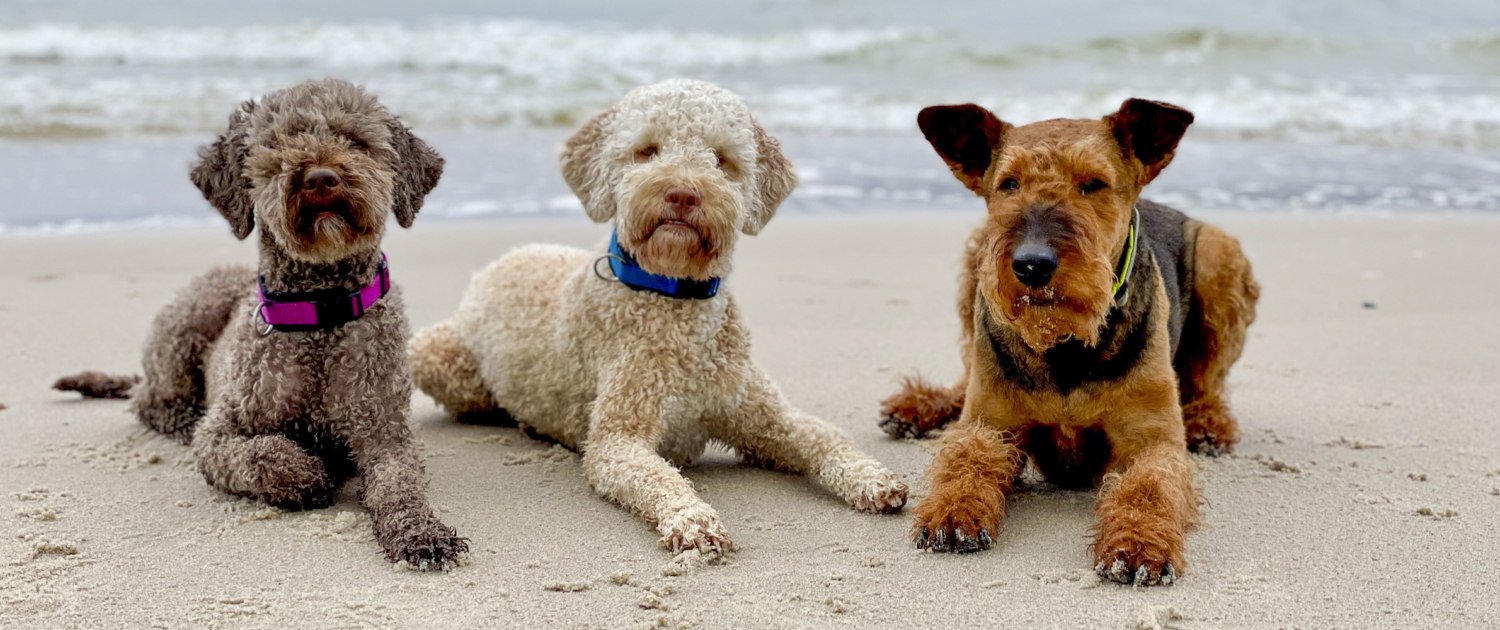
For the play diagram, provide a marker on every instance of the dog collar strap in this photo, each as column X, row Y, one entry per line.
column 1127, row 259
column 320, row 310
column 632, row 275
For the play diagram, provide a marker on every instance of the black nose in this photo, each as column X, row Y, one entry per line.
column 321, row 178
column 1034, row 264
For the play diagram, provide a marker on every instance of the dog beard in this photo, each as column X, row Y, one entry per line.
column 691, row 245
column 328, row 228
column 1072, row 306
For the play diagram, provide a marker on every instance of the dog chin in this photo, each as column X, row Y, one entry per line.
column 1042, row 326
column 327, row 232
column 1045, row 317
column 679, row 250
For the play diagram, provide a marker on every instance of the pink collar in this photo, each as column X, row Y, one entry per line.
column 321, row 310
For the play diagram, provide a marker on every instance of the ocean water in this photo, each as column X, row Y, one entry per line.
column 1303, row 105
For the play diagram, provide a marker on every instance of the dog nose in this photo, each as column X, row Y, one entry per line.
column 681, row 196
column 1034, row 264
column 321, row 178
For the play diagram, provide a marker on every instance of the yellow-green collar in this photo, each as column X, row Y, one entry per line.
column 1127, row 259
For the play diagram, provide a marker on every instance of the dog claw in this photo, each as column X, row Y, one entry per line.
column 1117, row 571
column 964, row 544
column 985, row 542
column 924, row 537
column 940, row 541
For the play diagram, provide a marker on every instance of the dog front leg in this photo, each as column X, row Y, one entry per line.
column 270, row 468
column 620, row 461
column 395, row 492
column 1144, row 513
column 969, row 479
column 768, row 431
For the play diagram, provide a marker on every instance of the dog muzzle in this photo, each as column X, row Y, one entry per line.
column 320, row 310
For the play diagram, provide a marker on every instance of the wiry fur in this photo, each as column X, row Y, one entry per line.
column 1026, row 392
column 286, row 417
column 633, row 379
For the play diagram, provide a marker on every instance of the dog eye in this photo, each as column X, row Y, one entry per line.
column 645, row 153
column 358, row 144
column 724, row 163
column 1010, row 184
column 1092, row 186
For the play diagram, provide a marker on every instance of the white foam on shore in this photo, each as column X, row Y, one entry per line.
column 538, row 50
column 75, row 227
column 62, row 80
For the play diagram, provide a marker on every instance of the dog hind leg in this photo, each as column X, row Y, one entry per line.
column 171, row 398
column 269, row 467
column 1222, row 309
column 444, row 368
column 921, row 407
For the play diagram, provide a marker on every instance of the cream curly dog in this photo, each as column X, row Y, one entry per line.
column 636, row 375
column 288, row 379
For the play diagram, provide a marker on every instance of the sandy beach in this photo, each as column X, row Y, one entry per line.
column 1366, row 493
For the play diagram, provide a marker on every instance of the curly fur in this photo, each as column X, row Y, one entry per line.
column 286, row 417
column 634, row 379
column 1129, row 431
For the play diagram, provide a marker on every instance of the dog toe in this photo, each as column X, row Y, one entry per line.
column 898, row 428
column 697, row 528
column 1136, row 572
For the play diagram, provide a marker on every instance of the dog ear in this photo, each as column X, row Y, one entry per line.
column 418, row 169
column 220, row 173
column 586, row 170
column 966, row 137
column 1148, row 131
column 774, row 180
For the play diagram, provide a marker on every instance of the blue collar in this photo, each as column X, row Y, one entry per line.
column 631, row 275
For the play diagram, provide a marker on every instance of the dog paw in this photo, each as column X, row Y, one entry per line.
column 899, row 426
column 1137, row 560
column 430, row 546
column 1211, row 430
column 1207, row 444
column 1123, row 571
column 283, row 475
column 868, row 487
column 962, row 527
column 697, row 528
column 918, row 408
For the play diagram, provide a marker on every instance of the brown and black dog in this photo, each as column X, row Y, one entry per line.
column 1098, row 329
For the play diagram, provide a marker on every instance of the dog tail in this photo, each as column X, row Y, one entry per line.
column 98, row 384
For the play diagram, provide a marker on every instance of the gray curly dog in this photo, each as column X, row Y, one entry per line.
column 284, row 413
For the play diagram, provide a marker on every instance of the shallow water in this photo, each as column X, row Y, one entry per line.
column 1300, row 104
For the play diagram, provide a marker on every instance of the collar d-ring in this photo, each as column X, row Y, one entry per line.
column 260, row 311
column 611, row 271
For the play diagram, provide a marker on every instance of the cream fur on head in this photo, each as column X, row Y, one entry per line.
column 678, row 134
column 631, row 378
